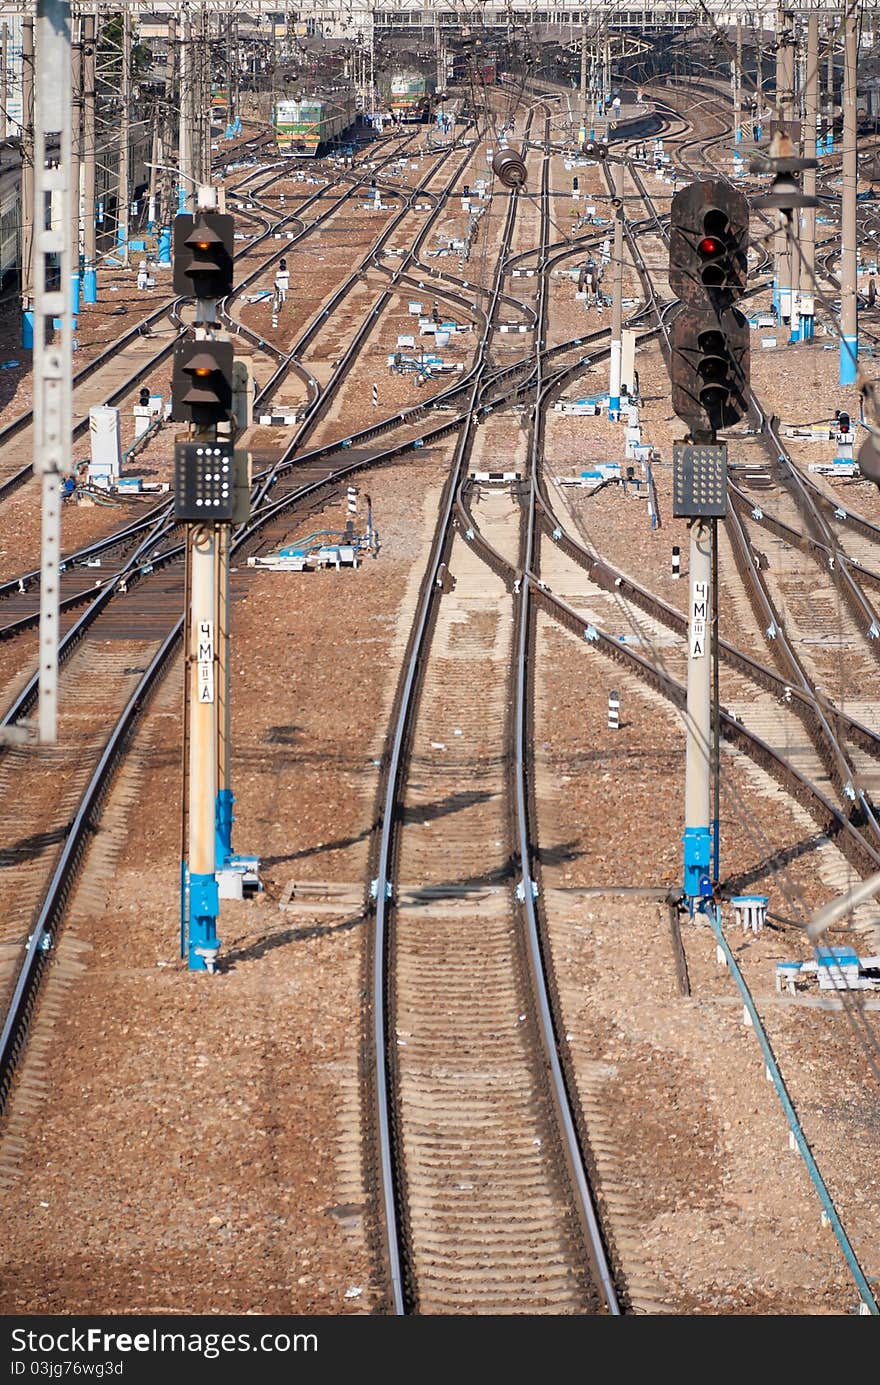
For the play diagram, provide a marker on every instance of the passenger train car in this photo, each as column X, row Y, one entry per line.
column 305, row 124
column 411, row 94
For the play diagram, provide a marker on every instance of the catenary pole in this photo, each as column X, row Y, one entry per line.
column 122, row 188
column 737, row 85
column 75, row 165
column 90, row 275
column 808, row 214
column 185, row 121
column 4, row 79
column 849, row 344
column 27, row 181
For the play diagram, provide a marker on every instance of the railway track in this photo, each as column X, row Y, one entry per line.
column 516, row 1199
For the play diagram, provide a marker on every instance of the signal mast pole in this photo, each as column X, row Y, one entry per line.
column 211, row 492
column 616, row 362
column 709, row 342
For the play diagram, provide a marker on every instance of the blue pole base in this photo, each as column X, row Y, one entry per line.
column 163, row 253
column 204, row 906
column 27, row 329
column 75, row 287
column 90, row 285
column 697, row 861
column 181, row 198
column 808, row 325
column 614, row 407
column 223, row 825
column 849, row 360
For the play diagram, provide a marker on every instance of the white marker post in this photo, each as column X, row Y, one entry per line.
column 52, row 363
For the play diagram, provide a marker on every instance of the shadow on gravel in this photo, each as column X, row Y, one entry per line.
column 455, row 803
column 253, row 951
column 425, row 812
column 29, row 847
column 737, row 884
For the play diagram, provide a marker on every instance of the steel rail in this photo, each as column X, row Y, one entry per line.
column 382, row 887
column 527, row 891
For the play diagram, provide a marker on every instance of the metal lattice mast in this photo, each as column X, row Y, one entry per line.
column 808, row 215
column 168, row 109
column 75, row 158
column 185, row 121
column 26, row 277
column 4, row 78
column 90, row 283
column 123, row 194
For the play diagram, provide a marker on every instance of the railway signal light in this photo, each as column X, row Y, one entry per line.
column 708, row 243
column 710, row 369
column 201, row 382
column 708, row 270
column 595, row 149
column 203, row 254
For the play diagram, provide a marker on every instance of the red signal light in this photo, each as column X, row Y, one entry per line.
column 710, row 245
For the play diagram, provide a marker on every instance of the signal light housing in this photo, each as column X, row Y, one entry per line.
column 595, row 149
column 203, row 254
column 708, row 270
column 710, row 369
column 201, row 382
column 708, row 243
